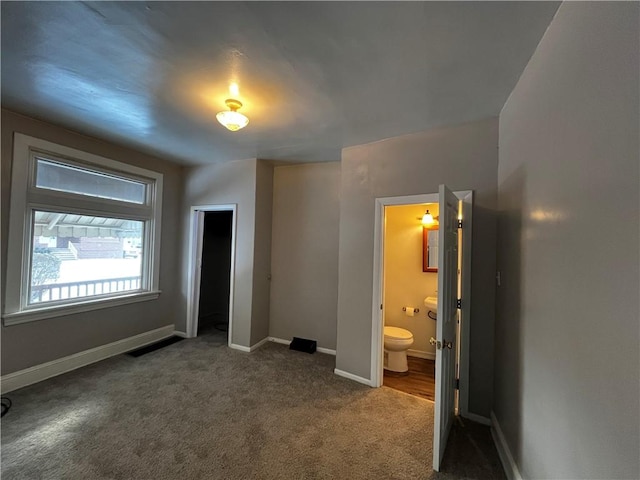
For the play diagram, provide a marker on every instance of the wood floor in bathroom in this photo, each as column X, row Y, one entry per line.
column 419, row 381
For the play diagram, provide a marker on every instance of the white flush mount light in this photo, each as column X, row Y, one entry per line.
column 232, row 119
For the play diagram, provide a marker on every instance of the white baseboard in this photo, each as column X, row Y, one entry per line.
column 508, row 463
column 328, row 351
column 421, row 354
column 38, row 373
column 250, row 349
column 180, row 334
column 241, row 348
column 353, row 377
column 474, row 417
column 259, row 344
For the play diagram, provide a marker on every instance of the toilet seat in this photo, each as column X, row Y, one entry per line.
column 396, row 333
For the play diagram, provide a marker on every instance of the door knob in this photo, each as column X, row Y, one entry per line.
column 448, row 345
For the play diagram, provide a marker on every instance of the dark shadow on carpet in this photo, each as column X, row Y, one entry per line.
column 138, row 352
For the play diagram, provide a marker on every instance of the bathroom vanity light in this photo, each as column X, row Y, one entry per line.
column 232, row 119
column 427, row 218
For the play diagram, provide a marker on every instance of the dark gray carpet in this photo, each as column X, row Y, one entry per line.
column 198, row 410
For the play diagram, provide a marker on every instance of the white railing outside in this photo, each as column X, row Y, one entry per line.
column 86, row 288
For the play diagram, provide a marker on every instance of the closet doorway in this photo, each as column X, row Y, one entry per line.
column 212, row 260
column 213, row 307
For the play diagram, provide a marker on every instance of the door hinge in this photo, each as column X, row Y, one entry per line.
column 459, row 223
column 380, row 306
column 459, row 303
column 457, row 384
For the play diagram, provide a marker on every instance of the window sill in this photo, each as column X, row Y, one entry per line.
column 34, row 314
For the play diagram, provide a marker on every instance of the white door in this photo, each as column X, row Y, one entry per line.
column 446, row 322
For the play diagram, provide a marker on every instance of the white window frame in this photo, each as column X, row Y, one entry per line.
column 25, row 198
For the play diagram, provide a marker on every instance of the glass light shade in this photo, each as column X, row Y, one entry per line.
column 232, row 120
column 427, row 218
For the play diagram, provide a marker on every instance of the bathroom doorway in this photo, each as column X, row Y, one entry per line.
column 212, row 272
column 452, row 303
column 410, row 275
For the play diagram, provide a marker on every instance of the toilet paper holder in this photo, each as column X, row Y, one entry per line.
column 415, row 310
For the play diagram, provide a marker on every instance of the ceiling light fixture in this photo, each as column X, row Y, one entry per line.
column 232, row 119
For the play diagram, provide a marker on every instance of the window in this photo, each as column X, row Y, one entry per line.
column 84, row 232
column 62, row 177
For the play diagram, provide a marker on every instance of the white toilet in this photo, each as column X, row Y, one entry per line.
column 396, row 343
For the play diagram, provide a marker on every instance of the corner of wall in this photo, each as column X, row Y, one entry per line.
column 506, row 458
column 262, row 250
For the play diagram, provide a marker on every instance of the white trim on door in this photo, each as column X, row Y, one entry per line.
column 378, row 288
column 378, row 278
column 465, row 311
column 195, row 262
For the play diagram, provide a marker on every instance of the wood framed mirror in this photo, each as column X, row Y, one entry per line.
column 430, row 249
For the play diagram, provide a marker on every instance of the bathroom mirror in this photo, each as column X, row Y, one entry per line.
column 430, row 249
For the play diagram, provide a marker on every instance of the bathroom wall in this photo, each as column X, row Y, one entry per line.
column 304, row 252
column 464, row 157
column 405, row 284
column 566, row 373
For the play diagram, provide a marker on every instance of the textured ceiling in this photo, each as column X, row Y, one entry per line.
column 314, row 77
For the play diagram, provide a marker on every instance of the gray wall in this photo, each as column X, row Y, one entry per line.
column 38, row 342
column 463, row 157
column 249, row 185
column 262, row 252
column 304, row 252
column 219, row 184
column 566, row 372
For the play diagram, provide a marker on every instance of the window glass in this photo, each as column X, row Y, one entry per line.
column 57, row 176
column 77, row 256
column 84, row 231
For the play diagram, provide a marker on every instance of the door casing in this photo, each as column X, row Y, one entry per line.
column 196, row 230
column 377, row 337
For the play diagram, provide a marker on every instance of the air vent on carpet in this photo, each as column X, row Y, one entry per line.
column 303, row 345
column 154, row 346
